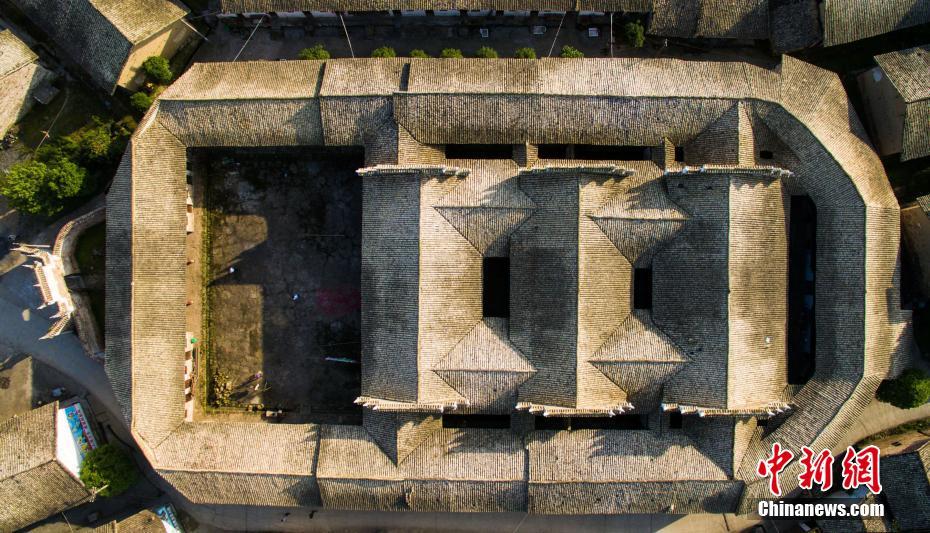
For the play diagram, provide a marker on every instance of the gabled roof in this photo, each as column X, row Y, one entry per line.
column 33, row 484
column 570, row 284
column 99, row 34
column 906, row 484
column 14, row 54
column 846, row 21
column 909, row 72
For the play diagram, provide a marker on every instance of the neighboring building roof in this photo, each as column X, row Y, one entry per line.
column 909, row 72
column 14, row 54
column 99, row 34
column 906, row 485
column 846, row 21
column 33, row 484
column 748, row 19
column 712, row 228
column 145, row 521
column 262, row 6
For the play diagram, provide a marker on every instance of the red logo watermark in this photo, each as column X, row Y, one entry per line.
column 859, row 468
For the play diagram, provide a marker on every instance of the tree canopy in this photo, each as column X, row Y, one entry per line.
column 43, row 187
column 314, row 52
column 110, row 469
column 158, row 70
column 910, row 390
column 383, row 51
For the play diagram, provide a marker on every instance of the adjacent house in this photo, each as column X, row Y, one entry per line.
column 159, row 519
column 897, row 100
column 659, row 236
column 845, row 21
column 905, row 477
column 109, row 39
column 22, row 79
column 40, row 458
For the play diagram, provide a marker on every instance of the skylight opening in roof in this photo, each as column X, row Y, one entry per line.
column 476, row 421
column 496, row 287
column 642, row 288
column 802, row 280
column 479, row 151
column 621, row 153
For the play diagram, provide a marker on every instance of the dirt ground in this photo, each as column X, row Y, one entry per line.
column 286, row 272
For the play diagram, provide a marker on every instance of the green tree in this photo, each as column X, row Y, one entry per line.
column 570, row 51
column 110, row 469
column 141, row 101
column 418, row 53
column 486, row 52
column 635, row 34
column 911, row 389
column 525, row 53
column 157, row 69
column 314, row 52
column 43, row 188
column 383, row 51
column 451, row 53
column 100, row 142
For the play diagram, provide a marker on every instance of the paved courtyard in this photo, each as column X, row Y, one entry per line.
column 286, row 270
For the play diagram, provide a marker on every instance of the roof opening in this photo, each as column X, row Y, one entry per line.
column 554, row 151
column 632, row 422
column 675, row 419
column 553, row 422
column 622, row 153
column 802, row 269
column 766, row 154
column 642, row 288
column 680, row 154
column 496, row 287
column 595, row 152
column 479, row 151
column 476, row 421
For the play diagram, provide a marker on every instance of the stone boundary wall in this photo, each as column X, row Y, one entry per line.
column 88, row 330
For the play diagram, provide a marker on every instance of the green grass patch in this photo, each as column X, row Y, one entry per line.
column 921, row 425
column 76, row 104
column 90, row 251
column 207, row 364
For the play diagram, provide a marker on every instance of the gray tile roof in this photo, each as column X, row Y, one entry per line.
column 574, row 231
column 909, row 72
column 14, row 54
column 259, row 6
column 33, row 484
column 846, row 21
column 99, row 34
column 906, row 484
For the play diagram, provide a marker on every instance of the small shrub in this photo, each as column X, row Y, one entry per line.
column 314, row 52
column 418, row 53
column 222, row 390
column 140, row 101
column 570, row 51
column 158, row 69
column 525, row 53
column 43, row 188
column 383, row 51
column 451, row 53
column 910, row 390
column 635, row 34
column 110, row 469
column 486, row 52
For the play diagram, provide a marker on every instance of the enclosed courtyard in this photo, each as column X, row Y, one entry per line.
column 283, row 232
